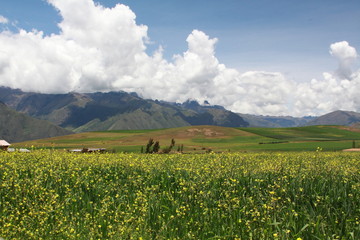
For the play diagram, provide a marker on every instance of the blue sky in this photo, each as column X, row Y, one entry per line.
column 281, row 35
column 288, row 36
column 278, row 43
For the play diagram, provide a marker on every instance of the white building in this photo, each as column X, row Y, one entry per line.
column 4, row 145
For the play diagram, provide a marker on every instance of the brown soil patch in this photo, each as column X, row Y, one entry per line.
column 203, row 131
column 352, row 129
column 352, row 150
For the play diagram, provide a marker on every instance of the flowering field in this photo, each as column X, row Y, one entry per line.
column 58, row 195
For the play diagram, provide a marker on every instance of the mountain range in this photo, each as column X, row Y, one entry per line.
column 275, row 121
column 81, row 112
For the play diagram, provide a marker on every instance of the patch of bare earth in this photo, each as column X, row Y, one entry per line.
column 352, row 150
column 207, row 132
column 352, row 129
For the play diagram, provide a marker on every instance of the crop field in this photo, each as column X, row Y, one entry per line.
column 49, row 194
column 196, row 139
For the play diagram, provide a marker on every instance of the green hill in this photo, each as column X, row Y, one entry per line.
column 18, row 127
column 310, row 133
column 219, row 139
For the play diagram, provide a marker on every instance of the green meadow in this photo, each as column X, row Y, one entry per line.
column 197, row 139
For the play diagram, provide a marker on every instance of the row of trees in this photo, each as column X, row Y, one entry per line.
column 154, row 147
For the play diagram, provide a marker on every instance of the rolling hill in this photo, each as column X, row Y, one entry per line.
column 18, row 127
column 199, row 139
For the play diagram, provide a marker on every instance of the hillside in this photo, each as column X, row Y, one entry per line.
column 115, row 111
column 344, row 118
column 18, row 127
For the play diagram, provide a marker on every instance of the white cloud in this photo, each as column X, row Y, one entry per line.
column 103, row 49
column 327, row 95
column 346, row 56
column 3, row 20
column 335, row 91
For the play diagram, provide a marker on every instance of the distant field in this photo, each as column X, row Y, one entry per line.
column 202, row 138
column 311, row 133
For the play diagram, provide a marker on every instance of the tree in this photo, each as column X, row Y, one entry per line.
column 156, row 147
column 148, row 146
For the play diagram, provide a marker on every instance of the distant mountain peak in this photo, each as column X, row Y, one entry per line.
column 206, row 103
column 191, row 103
column 338, row 117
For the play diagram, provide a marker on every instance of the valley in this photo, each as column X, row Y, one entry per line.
column 200, row 139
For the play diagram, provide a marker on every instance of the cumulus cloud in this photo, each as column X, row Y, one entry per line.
column 104, row 49
column 328, row 94
column 346, row 55
column 335, row 91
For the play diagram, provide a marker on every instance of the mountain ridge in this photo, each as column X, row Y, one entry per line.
column 120, row 110
column 338, row 117
column 275, row 121
column 115, row 111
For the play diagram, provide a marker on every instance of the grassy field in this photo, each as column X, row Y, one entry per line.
column 198, row 139
column 50, row 194
column 311, row 133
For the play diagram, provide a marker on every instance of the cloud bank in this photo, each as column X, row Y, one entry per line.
column 104, row 49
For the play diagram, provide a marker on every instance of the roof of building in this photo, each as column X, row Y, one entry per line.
column 4, row 143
